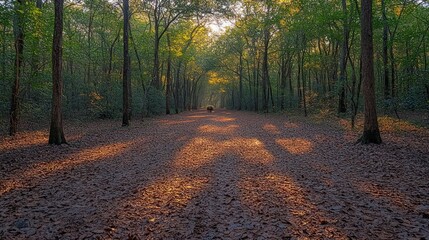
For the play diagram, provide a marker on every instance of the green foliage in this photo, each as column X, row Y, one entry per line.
column 154, row 102
column 92, row 55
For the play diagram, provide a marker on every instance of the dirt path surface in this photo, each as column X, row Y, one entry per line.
column 224, row 175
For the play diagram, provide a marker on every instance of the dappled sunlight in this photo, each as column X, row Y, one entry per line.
column 175, row 122
column 223, row 119
column 201, row 151
column 390, row 124
column 23, row 140
column 31, row 139
column 386, row 124
column 44, row 169
column 218, row 130
column 156, row 208
column 251, row 149
column 384, row 193
column 282, row 196
column 271, row 128
column 198, row 116
column 198, row 152
column 174, row 191
column 296, row 146
column 97, row 153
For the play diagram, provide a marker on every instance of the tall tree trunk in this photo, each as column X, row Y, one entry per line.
column 185, row 87
column 392, row 69
column 109, row 70
column 168, row 77
column 126, row 69
column 19, row 48
column 425, row 60
column 289, row 76
column 385, row 54
column 270, row 94
column 283, row 72
column 177, row 88
column 371, row 132
column 89, row 42
column 343, row 61
column 138, row 59
column 257, row 85
column 304, row 101
column 298, row 80
column 3, row 66
column 56, row 133
column 240, row 95
column 249, row 80
column 265, row 71
column 156, row 81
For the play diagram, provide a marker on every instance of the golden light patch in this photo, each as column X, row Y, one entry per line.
column 198, row 152
column 271, row 128
column 224, row 119
column 218, row 130
column 251, row 149
column 24, row 140
column 389, row 124
column 49, row 168
column 156, row 202
column 295, row 146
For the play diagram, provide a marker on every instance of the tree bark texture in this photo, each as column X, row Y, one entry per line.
column 371, row 132
column 265, row 71
column 126, row 69
column 19, row 48
column 168, row 78
column 56, row 134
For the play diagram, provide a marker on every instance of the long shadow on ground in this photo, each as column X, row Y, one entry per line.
column 220, row 175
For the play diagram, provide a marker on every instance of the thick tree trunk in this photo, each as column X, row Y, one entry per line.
column 126, row 69
column 371, row 132
column 56, row 133
column 19, row 48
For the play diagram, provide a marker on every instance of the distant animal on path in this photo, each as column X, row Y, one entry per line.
column 210, row 108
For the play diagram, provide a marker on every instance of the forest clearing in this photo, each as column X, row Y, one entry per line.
column 219, row 175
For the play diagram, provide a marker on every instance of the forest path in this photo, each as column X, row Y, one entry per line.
column 220, row 175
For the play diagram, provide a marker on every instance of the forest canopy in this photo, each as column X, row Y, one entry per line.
column 272, row 55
